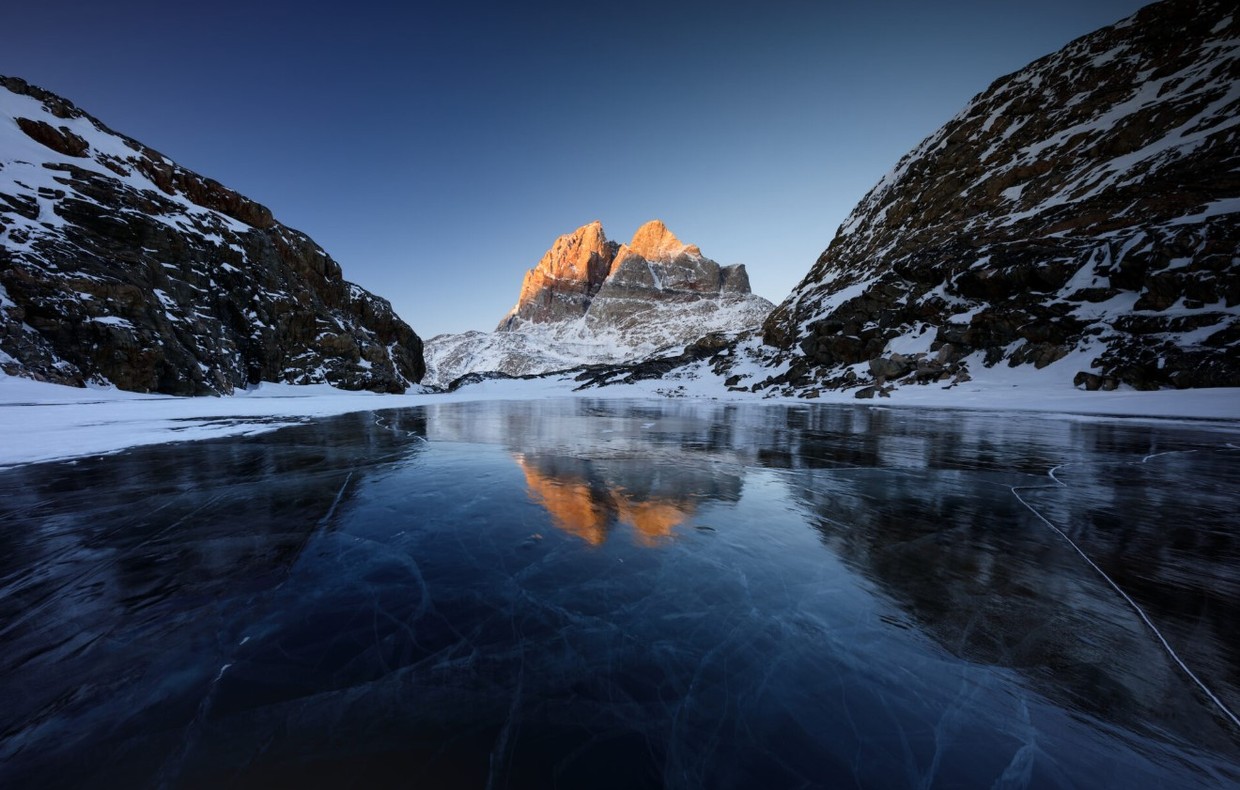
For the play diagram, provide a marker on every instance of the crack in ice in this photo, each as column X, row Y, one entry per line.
column 336, row 502
column 379, row 421
column 501, row 752
column 1140, row 612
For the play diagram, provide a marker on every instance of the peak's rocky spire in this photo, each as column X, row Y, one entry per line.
column 654, row 242
column 568, row 275
column 583, row 265
column 573, row 254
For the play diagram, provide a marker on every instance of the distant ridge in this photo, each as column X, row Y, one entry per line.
column 590, row 300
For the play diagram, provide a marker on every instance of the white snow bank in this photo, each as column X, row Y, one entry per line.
column 42, row 422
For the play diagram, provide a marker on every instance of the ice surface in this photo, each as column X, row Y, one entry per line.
column 603, row 593
column 41, row 422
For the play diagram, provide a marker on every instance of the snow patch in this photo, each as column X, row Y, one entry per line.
column 111, row 320
column 916, row 341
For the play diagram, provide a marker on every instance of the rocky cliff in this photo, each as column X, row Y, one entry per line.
column 1082, row 213
column 590, row 300
column 564, row 282
column 119, row 266
column 586, row 276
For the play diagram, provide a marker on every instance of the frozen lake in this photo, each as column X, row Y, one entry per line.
column 581, row 593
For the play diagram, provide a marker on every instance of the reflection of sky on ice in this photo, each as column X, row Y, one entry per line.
column 625, row 595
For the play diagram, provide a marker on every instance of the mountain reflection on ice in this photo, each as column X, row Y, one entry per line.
column 588, row 498
column 626, row 594
column 587, row 507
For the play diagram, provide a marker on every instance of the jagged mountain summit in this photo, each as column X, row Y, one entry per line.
column 590, row 300
column 561, row 286
column 1080, row 215
column 119, row 266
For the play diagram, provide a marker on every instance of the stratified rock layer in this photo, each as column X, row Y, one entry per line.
column 1086, row 206
column 118, row 266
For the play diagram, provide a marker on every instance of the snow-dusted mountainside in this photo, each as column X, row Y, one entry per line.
column 118, row 266
column 592, row 301
column 1082, row 214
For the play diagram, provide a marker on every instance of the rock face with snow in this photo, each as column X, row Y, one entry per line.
column 118, row 266
column 1084, row 209
column 564, row 282
column 590, row 300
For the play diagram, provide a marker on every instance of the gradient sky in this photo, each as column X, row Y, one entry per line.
column 437, row 150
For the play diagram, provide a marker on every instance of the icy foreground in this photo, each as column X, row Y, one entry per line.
column 602, row 593
column 41, row 422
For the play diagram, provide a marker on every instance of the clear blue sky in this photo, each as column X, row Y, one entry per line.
column 437, row 149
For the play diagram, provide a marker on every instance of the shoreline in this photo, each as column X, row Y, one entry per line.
column 49, row 422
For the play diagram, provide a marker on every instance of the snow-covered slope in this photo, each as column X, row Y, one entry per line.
column 591, row 301
column 1081, row 216
column 118, row 266
column 541, row 348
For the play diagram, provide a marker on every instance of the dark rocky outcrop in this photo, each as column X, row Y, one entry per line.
column 1087, row 206
column 713, row 347
column 119, row 266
